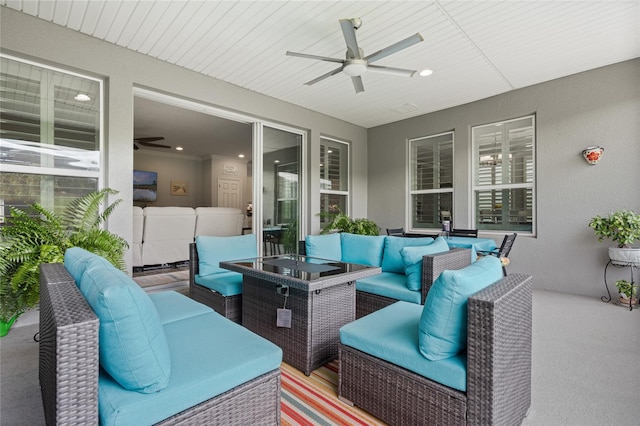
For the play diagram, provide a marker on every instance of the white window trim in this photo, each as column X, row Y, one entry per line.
column 346, row 193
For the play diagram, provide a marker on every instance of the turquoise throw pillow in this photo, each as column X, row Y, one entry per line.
column 325, row 246
column 133, row 346
column 77, row 260
column 362, row 249
column 443, row 324
column 392, row 258
column 412, row 259
column 213, row 250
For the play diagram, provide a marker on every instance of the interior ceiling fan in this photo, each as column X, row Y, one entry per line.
column 149, row 142
column 356, row 64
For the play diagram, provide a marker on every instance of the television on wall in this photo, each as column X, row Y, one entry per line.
column 145, row 186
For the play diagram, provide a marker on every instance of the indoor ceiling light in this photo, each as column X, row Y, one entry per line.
column 426, row 72
column 240, row 155
column 179, row 148
column 355, row 67
column 276, row 161
column 82, row 97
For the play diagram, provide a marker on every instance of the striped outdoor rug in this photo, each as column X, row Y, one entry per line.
column 314, row 400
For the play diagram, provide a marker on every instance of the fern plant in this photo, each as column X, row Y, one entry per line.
column 340, row 222
column 37, row 235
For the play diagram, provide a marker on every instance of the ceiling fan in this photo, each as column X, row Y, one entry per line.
column 148, row 142
column 356, row 64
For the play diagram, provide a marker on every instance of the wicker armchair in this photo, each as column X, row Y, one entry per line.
column 432, row 266
column 229, row 306
column 68, row 367
column 498, row 390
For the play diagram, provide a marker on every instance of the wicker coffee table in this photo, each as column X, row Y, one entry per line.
column 318, row 294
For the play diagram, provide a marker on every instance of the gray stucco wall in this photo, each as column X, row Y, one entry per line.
column 598, row 107
column 31, row 38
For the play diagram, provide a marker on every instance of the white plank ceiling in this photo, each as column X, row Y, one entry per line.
column 476, row 49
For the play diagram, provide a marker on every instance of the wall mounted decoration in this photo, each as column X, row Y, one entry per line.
column 593, row 154
column 230, row 169
column 179, row 187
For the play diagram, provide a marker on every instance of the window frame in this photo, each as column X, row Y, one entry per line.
column 409, row 219
column 344, row 174
column 476, row 187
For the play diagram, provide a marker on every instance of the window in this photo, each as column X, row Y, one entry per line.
column 50, row 135
column 504, row 175
column 431, row 181
column 334, row 177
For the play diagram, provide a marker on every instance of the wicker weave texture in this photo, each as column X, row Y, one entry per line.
column 317, row 316
column 256, row 402
column 498, row 369
column 68, row 359
column 228, row 306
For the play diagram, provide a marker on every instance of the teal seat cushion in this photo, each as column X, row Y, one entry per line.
column 362, row 249
column 226, row 283
column 132, row 344
column 391, row 257
column 443, row 325
column 213, row 250
column 173, row 306
column 325, row 246
column 76, row 261
column 412, row 260
column 391, row 334
column 209, row 356
column 390, row 285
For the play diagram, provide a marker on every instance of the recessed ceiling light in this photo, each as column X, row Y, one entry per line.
column 329, row 151
column 241, row 156
column 426, row 72
column 276, row 161
column 82, row 97
column 179, row 148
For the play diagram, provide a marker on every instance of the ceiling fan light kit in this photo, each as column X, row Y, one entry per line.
column 355, row 63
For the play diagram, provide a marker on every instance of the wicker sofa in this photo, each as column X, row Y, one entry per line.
column 217, row 372
column 388, row 252
column 486, row 383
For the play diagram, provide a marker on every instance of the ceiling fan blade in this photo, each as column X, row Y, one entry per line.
column 151, row 139
column 153, row 145
column 392, row 71
column 323, row 76
column 135, row 147
column 349, row 33
column 319, row 58
column 357, row 83
column 396, row 47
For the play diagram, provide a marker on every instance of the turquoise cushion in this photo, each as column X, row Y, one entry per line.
column 132, row 344
column 323, row 246
column 209, row 356
column 391, row 334
column 443, row 326
column 362, row 249
column 225, row 283
column 76, row 261
column 390, row 285
column 213, row 250
column 412, row 259
column 392, row 259
column 173, row 306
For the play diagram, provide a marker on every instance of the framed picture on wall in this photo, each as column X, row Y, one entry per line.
column 179, row 187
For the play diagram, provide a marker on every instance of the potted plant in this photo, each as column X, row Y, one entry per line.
column 627, row 291
column 38, row 235
column 623, row 228
column 340, row 222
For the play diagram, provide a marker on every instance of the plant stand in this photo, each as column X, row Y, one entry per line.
column 617, row 264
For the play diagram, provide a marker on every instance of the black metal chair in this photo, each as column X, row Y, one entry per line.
column 473, row 233
column 396, row 232
column 504, row 250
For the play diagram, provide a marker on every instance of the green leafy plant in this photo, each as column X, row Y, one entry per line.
column 626, row 288
column 37, row 235
column 622, row 227
column 340, row 222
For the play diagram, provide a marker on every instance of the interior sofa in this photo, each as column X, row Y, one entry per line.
column 409, row 265
column 464, row 358
column 111, row 354
column 161, row 235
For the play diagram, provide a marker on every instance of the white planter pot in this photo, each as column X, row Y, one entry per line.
column 624, row 256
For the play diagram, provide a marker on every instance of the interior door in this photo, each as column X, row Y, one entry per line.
column 229, row 193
